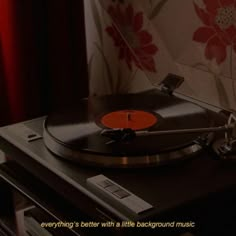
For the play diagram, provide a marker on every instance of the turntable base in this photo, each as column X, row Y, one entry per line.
column 201, row 189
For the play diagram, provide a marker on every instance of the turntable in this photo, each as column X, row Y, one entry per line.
column 132, row 130
column 104, row 158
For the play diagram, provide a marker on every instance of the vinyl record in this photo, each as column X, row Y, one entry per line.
column 76, row 135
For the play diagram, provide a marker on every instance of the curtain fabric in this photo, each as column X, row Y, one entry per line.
column 43, row 57
column 134, row 44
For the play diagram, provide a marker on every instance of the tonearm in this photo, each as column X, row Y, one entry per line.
column 226, row 147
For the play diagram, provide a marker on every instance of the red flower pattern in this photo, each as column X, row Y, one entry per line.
column 134, row 43
column 219, row 30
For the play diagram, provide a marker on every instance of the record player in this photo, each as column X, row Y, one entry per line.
column 133, row 157
column 133, row 130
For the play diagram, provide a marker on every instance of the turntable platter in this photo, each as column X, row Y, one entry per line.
column 76, row 135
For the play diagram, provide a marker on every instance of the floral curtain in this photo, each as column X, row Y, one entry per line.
column 134, row 44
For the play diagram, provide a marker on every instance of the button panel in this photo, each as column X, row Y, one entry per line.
column 104, row 186
column 113, row 188
column 121, row 194
column 105, row 183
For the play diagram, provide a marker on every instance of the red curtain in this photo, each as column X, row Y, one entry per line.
column 43, row 57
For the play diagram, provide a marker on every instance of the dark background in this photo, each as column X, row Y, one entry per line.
column 43, row 62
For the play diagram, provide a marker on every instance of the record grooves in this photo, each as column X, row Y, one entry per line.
column 76, row 135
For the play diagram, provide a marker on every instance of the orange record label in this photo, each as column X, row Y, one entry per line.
column 133, row 119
